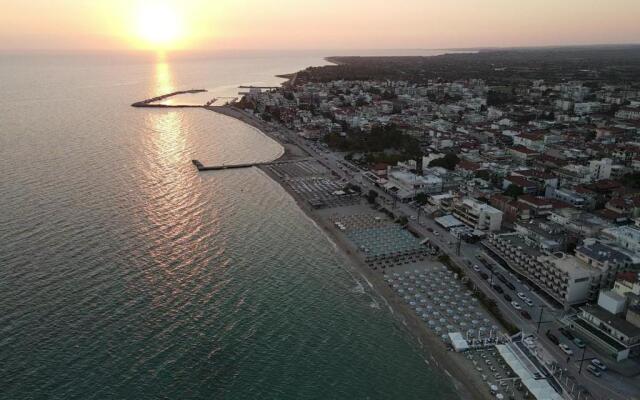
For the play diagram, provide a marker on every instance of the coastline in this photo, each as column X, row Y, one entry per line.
column 467, row 385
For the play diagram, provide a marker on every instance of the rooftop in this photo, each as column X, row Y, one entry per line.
column 602, row 252
column 617, row 323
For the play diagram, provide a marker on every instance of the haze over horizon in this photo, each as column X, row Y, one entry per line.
column 291, row 25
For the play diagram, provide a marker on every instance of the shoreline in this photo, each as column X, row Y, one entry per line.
column 432, row 350
column 467, row 384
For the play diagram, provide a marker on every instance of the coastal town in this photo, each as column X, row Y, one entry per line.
column 498, row 217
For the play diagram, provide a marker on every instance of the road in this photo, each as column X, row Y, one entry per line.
column 543, row 315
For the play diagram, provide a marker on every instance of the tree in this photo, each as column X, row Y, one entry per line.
column 421, row 198
column 513, row 191
column 403, row 220
column 372, row 196
column 449, row 161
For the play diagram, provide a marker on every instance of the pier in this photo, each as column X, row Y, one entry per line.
column 149, row 102
column 202, row 167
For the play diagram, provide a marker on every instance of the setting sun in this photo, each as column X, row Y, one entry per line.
column 159, row 25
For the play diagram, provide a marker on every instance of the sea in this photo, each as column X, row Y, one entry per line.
column 126, row 274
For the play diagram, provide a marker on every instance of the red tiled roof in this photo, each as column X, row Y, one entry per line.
column 524, row 150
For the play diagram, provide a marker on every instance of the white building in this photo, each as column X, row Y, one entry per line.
column 565, row 278
column 405, row 185
column 600, row 169
column 626, row 237
column 478, row 215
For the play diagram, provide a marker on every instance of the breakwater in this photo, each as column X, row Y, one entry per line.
column 151, row 102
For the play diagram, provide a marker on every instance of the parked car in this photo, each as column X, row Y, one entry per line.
column 498, row 288
column 578, row 342
column 484, row 275
column 509, row 285
column 553, row 338
column 566, row 349
column 521, row 295
column 599, row 364
column 525, row 314
column 507, row 297
column 528, row 302
column 567, row 333
column 594, row 370
column 516, row 305
column 476, row 268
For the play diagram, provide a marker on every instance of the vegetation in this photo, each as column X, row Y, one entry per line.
column 377, row 144
column 513, row 191
column 403, row 220
column 631, row 180
column 449, row 161
column 421, row 198
column 372, row 196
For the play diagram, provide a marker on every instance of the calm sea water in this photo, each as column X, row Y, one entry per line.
column 125, row 274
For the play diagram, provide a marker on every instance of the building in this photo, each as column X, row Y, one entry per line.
column 600, row 169
column 405, row 185
column 628, row 113
column 612, row 333
column 563, row 277
column 478, row 215
column 613, row 324
column 601, row 255
column 627, row 237
column 567, row 196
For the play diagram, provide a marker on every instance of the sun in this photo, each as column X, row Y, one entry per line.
column 158, row 25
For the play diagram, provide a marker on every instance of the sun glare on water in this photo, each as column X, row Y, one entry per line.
column 159, row 25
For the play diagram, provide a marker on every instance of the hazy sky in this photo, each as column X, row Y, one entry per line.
column 319, row 24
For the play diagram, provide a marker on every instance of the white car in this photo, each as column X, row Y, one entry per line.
column 521, row 295
column 528, row 301
column 476, row 268
column 566, row 349
column 516, row 305
column 593, row 370
column 599, row 364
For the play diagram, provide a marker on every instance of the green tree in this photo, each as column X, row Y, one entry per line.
column 372, row 196
column 421, row 198
column 513, row 191
column 449, row 161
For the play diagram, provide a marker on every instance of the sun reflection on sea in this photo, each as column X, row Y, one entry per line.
column 171, row 202
column 164, row 78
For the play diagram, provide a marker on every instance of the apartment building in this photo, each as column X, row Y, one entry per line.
column 478, row 215
column 565, row 278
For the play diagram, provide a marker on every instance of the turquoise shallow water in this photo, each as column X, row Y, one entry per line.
column 124, row 274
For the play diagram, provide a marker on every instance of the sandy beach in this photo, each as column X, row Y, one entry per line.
column 469, row 385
